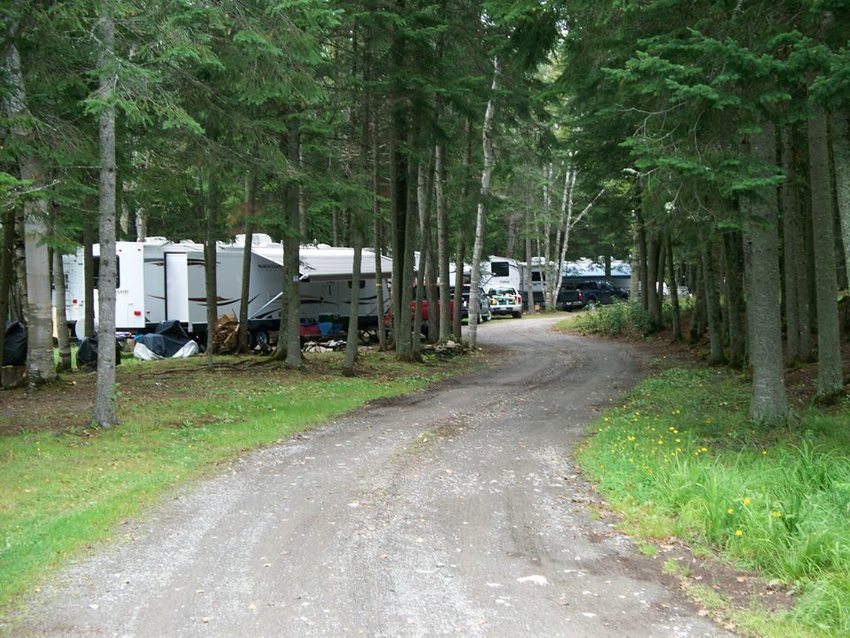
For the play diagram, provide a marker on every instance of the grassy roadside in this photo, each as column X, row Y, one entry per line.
column 679, row 459
column 62, row 490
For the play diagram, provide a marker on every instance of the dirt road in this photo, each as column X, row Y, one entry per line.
column 456, row 511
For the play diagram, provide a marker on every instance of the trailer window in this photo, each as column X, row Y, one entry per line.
column 96, row 262
column 500, row 269
column 362, row 284
column 536, row 275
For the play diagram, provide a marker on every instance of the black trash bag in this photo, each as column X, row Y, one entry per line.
column 15, row 344
column 168, row 338
column 87, row 352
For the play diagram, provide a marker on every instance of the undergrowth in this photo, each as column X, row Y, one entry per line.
column 681, row 459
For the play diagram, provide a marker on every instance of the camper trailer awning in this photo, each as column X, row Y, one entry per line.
column 329, row 262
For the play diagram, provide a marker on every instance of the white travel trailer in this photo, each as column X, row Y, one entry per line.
column 498, row 272
column 159, row 280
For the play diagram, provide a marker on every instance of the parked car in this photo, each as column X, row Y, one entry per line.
column 484, row 313
column 601, row 292
column 505, row 300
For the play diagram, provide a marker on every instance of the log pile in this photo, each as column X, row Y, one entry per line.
column 226, row 335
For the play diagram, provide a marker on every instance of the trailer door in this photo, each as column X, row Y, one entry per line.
column 177, row 286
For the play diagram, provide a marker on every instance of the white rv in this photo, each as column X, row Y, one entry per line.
column 498, row 272
column 160, row 280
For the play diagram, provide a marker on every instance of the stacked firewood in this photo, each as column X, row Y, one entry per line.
column 226, row 334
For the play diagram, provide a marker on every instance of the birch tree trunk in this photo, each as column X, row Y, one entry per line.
column 487, row 142
column 830, row 382
column 769, row 403
column 62, row 335
column 39, row 316
column 104, row 403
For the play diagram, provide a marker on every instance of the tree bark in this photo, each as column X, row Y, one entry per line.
column 39, row 316
column 242, row 340
column 841, row 162
column 484, row 194
column 734, row 299
column 830, row 382
column 62, row 336
column 442, row 241
column 791, row 232
column 88, row 279
column 6, row 273
column 211, row 262
column 104, row 404
column 769, row 403
column 353, row 316
column 712, row 304
column 674, row 290
column 290, row 332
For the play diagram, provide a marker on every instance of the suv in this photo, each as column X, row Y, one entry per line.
column 505, row 300
column 601, row 292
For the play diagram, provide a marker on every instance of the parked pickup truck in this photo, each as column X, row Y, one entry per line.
column 570, row 298
column 505, row 300
column 601, row 292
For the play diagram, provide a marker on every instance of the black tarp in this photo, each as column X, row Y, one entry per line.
column 166, row 340
column 87, row 352
column 15, row 344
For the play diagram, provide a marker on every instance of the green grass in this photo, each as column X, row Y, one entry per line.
column 681, row 459
column 62, row 491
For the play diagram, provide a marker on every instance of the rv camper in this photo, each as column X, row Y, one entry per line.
column 160, row 280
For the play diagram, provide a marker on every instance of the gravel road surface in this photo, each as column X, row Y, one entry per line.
column 457, row 511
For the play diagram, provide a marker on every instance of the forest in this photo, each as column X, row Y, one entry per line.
column 706, row 141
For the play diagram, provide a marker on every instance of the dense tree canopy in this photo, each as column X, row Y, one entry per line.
column 701, row 139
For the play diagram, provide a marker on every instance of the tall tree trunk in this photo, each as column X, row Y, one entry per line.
column 830, row 383
column 62, row 336
column 841, row 162
column 104, row 403
column 734, row 299
column 698, row 318
column 242, row 340
column 353, row 316
column 526, row 272
column 489, row 159
column 442, row 241
column 6, row 273
column 40, row 367
column 769, row 403
column 460, row 252
column 407, row 350
column 653, row 303
column 642, row 269
column 790, row 236
column 211, row 262
column 674, row 290
column 88, row 278
column 290, row 333
column 712, row 303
